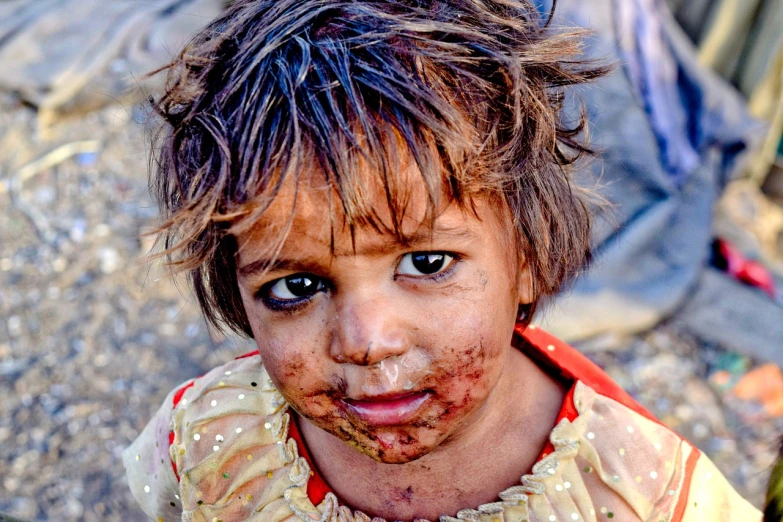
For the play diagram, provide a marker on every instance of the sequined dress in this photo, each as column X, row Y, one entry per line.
column 224, row 447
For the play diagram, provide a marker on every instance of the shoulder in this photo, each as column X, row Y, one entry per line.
column 648, row 468
column 218, row 444
column 629, row 455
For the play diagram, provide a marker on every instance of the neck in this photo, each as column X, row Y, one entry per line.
column 470, row 468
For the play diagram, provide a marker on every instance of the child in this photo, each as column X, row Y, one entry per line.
column 376, row 192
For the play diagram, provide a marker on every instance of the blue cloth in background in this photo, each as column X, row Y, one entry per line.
column 670, row 134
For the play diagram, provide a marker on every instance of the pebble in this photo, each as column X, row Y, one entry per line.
column 109, row 260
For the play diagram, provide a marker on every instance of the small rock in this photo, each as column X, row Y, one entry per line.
column 78, row 231
column 59, row 264
column 109, row 260
column 14, row 324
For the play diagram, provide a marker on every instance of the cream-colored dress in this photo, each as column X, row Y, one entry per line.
column 223, row 453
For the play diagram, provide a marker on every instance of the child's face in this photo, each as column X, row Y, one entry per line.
column 392, row 348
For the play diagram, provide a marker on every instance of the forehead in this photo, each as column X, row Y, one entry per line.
column 309, row 206
column 309, row 215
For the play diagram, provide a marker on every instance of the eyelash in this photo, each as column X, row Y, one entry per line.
column 434, row 277
column 292, row 305
column 286, row 305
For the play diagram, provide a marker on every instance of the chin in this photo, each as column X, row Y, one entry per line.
column 392, row 455
column 391, row 447
column 383, row 444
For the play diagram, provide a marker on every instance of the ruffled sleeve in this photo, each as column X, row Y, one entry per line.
column 220, row 449
column 148, row 467
column 230, row 445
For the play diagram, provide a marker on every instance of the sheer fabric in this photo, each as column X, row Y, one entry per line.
column 222, row 447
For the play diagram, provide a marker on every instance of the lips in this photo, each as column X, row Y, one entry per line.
column 387, row 410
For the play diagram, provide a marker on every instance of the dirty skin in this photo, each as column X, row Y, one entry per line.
column 376, row 442
column 406, row 495
column 325, row 409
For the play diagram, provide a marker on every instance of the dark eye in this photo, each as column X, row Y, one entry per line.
column 424, row 263
column 295, row 287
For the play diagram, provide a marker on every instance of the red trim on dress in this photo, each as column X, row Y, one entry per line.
column 568, row 411
column 180, row 393
column 251, row 354
column 316, row 486
column 573, row 366
column 176, row 400
column 682, row 501
column 173, row 464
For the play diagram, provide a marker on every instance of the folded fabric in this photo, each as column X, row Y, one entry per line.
column 670, row 134
column 66, row 56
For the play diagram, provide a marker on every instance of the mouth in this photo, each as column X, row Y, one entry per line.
column 389, row 409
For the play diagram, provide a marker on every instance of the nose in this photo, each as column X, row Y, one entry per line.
column 367, row 331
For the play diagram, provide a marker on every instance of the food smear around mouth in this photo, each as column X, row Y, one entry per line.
column 393, row 411
column 392, row 372
column 404, row 373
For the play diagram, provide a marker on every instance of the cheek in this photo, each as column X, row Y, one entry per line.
column 480, row 309
column 299, row 370
column 291, row 348
column 469, row 334
column 478, row 367
column 464, row 379
column 473, row 339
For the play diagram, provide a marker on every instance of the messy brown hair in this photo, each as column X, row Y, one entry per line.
column 471, row 90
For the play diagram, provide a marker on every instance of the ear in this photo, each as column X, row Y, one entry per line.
column 524, row 283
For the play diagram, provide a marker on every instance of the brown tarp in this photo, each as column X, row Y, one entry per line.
column 72, row 56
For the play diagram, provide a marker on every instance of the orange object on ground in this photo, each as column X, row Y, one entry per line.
column 765, row 385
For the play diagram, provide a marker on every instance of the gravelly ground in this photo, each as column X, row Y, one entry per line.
column 92, row 339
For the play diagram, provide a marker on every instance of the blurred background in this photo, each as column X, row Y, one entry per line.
column 684, row 306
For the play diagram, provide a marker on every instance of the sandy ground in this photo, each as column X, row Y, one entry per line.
column 92, row 338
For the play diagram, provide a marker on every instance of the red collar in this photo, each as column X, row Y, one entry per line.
column 561, row 360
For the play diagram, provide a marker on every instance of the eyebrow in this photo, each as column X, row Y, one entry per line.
column 270, row 265
column 312, row 264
